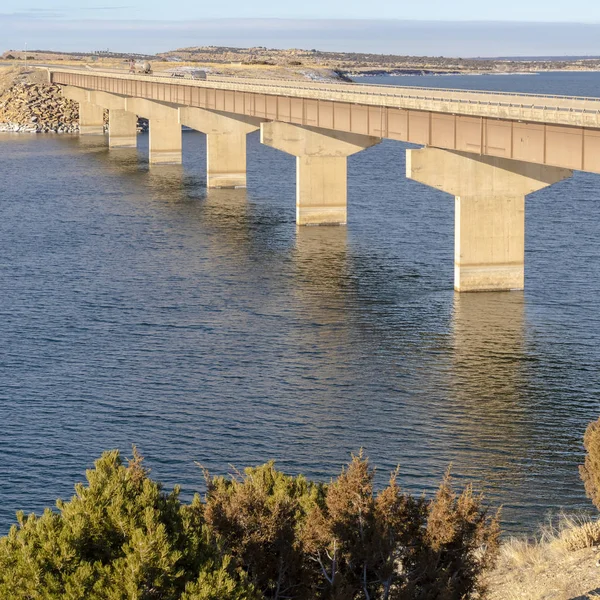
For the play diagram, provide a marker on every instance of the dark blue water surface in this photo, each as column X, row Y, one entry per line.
column 137, row 307
column 566, row 83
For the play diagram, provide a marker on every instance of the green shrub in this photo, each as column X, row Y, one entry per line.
column 260, row 535
column 119, row 537
column 392, row 545
column 257, row 517
column 343, row 541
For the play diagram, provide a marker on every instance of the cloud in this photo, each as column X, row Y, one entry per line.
column 61, row 11
column 88, row 8
column 33, row 13
column 398, row 37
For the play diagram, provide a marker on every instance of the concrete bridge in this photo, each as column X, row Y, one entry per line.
column 489, row 150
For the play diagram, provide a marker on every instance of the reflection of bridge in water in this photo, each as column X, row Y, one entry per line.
column 489, row 410
column 511, row 427
column 489, row 150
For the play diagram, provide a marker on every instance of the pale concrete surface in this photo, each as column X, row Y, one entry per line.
column 91, row 119
column 122, row 124
column 321, row 190
column 498, row 147
column 226, row 144
column 528, row 107
column 489, row 235
column 107, row 101
column 321, row 168
column 122, row 129
column 165, row 141
column 165, row 129
column 556, row 131
column 91, row 116
column 76, row 94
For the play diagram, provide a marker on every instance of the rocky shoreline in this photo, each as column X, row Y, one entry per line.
column 28, row 105
column 12, row 127
column 35, row 107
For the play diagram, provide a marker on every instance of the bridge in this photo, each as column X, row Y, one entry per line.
column 488, row 149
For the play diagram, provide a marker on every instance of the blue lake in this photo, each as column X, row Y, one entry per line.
column 136, row 307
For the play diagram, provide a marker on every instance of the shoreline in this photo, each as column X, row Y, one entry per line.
column 17, row 128
column 429, row 73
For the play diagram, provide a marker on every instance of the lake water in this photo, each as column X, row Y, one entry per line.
column 139, row 308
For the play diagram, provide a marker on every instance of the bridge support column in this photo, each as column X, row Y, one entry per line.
column 165, row 129
column 165, row 141
column 122, row 129
column 91, row 119
column 225, row 144
column 91, row 115
column 321, row 168
column 226, row 159
column 489, row 235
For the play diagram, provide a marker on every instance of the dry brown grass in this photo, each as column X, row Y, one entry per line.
column 8, row 75
column 15, row 74
column 231, row 70
column 559, row 565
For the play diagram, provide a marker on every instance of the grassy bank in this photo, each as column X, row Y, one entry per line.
column 560, row 564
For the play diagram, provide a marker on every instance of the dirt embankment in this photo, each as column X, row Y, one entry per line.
column 561, row 564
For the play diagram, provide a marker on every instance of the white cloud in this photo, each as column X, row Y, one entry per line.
column 398, row 37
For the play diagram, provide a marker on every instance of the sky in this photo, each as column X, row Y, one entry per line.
column 587, row 11
column 461, row 27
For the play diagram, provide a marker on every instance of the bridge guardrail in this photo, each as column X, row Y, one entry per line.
column 584, row 105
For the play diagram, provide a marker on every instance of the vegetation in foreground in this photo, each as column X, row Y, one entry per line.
column 257, row 535
column 262, row 535
column 561, row 564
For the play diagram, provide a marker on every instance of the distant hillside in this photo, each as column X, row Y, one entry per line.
column 301, row 63
column 355, row 62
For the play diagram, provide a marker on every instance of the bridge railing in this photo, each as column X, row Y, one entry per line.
column 541, row 108
column 394, row 88
column 390, row 90
column 539, row 102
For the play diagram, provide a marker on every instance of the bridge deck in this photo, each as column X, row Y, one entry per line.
column 555, row 130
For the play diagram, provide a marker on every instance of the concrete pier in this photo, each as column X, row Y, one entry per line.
column 165, row 142
column 91, row 119
column 225, row 144
column 489, row 238
column 122, row 129
column 321, row 168
column 91, row 115
column 165, row 130
column 488, row 149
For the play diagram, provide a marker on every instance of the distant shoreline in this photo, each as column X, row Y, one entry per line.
column 428, row 73
column 297, row 63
